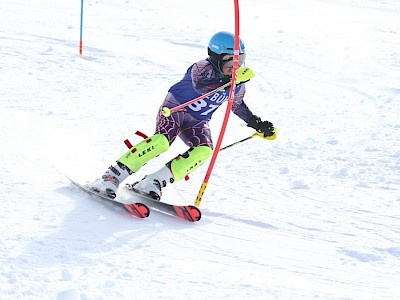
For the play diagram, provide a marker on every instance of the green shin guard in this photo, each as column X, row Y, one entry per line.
column 146, row 150
column 189, row 161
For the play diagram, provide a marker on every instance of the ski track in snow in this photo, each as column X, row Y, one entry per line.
column 313, row 214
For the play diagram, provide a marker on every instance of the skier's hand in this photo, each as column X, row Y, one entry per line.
column 264, row 127
column 244, row 74
column 270, row 138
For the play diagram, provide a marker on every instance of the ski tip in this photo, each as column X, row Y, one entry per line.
column 195, row 213
column 189, row 213
column 139, row 210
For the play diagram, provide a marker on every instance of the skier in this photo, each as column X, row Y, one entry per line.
column 189, row 123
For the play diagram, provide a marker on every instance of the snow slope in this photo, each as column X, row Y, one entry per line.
column 313, row 214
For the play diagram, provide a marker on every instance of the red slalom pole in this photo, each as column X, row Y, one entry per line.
column 228, row 108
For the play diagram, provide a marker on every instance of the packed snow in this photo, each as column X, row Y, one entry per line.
column 312, row 214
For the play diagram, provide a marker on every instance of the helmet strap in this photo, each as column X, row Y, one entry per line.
column 216, row 61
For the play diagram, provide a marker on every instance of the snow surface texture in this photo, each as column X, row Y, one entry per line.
column 313, row 214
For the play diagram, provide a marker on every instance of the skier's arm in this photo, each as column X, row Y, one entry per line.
column 240, row 109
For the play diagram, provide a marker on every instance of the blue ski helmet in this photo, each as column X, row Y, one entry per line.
column 221, row 44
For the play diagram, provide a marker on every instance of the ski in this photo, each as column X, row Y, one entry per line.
column 184, row 212
column 137, row 209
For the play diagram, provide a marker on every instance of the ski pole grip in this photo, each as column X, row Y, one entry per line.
column 166, row 112
column 271, row 138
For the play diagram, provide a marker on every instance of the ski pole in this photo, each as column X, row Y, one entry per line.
column 272, row 137
column 243, row 74
column 167, row 111
column 238, row 142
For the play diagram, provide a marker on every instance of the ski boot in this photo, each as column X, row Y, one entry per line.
column 108, row 183
column 152, row 184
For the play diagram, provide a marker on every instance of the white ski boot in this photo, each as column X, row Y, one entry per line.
column 152, row 184
column 108, row 183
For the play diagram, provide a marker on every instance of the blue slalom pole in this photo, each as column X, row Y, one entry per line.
column 80, row 41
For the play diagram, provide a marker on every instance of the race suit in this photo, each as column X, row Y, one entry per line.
column 191, row 123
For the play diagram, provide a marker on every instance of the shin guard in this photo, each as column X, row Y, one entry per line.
column 189, row 161
column 144, row 151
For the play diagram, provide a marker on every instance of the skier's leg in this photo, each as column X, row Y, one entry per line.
column 195, row 134
column 173, row 171
column 129, row 163
column 166, row 132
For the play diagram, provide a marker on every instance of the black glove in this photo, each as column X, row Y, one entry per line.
column 264, row 127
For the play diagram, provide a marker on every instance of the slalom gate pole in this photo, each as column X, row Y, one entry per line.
column 80, row 40
column 228, row 108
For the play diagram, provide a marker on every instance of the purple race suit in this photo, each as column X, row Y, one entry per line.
column 191, row 123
